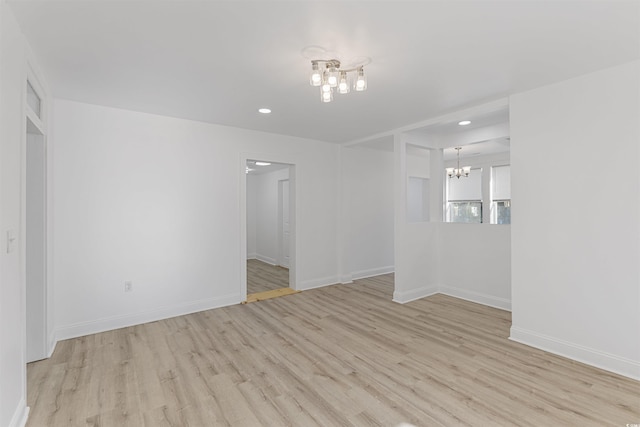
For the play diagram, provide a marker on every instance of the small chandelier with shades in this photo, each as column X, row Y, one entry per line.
column 327, row 74
column 459, row 171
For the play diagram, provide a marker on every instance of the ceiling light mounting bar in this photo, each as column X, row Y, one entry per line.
column 334, row 63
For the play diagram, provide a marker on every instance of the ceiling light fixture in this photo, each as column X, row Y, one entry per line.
column 464, row 122
column 327, row 74
column 458, row 172
column 264, row 110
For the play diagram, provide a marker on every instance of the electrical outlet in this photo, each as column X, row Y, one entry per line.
column 128, row 286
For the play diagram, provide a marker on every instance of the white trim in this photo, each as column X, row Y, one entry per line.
column 363, row 274
column 51, row 344
column 345, row 279
column 609, row 362
column 292, row 161
column 116, row 322
column 280, row 227
column 20, row 415
column 414, row 294
column 252, row 255
column 318, row 283
column 477, row 297
column 266, row 259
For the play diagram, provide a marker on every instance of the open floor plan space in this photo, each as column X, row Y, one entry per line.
column 336, row 356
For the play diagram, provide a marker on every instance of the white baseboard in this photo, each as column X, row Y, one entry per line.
column 117, row 322
column 252, row 256
column 414, row 294
column 317, row 283
column 599, row 359
column 20, row 415
column 363, row 274
column 480, row 298
column 53, row 340
column 266, row 259
column 345, row 279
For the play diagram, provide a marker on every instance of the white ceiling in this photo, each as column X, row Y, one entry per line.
column 488, row 133
column 219, row 62
column 479, row 148
column 451, row 127
column 494, row 146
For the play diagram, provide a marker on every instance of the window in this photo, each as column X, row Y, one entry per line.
column 501, row 195
column 464, row 198
column 465, row 211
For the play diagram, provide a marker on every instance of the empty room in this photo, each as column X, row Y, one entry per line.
column 305, row 213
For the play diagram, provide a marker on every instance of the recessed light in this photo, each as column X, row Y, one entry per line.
column 262, row 163
column 464, row 122
column 264, row 110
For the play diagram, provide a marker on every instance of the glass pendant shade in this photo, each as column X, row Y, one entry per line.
column 466, row 170
column 327, row 96
column 316, row 76
column 361, row 81
column 332, row 77
column 343, row 84
column 450, row 172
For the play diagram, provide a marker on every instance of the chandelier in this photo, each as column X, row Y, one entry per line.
column 326, row 74
column 459, row 171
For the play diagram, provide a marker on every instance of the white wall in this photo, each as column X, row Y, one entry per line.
column 576, row 210
column 367, row 189
column 416, row 244
column 475, row 263
column 418, row 160
column 475, row 259
column 156, row 200
column 264, row 213
column 417, row 260
column 13, row 57
column 470, row 261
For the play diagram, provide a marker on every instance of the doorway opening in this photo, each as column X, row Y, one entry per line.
column 269, row 209
column 35, row 229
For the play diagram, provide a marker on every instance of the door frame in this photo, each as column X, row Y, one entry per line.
column 274, row 158
column 279, row 239
column 39, row 124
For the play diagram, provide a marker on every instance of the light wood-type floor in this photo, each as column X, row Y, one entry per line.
column 276, row 293
column 336, row 356
column 264, row 277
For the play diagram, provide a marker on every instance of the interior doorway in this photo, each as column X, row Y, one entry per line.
column 269, row 210
column 35, row 241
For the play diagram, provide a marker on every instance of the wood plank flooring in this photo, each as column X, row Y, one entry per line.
column 335, row 356
column 265, row 277
column 275, row 293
